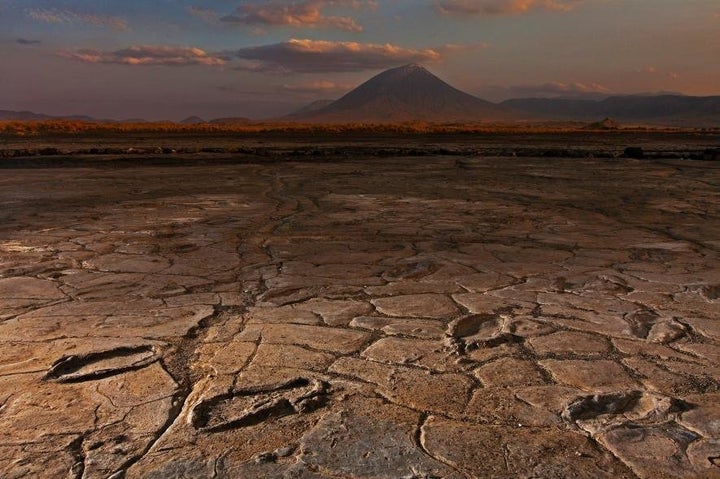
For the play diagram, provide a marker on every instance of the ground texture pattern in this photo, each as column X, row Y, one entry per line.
column 390, row 318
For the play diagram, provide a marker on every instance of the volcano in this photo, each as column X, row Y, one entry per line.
column 407, row 93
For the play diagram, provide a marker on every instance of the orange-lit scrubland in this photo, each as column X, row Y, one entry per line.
column 64, row 127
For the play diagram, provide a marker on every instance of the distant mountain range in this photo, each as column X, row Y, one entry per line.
column 412, row 93
column 676, row 110
column 30, row 116
column 9, row 115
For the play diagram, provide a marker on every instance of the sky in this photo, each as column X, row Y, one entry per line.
column 169, row 59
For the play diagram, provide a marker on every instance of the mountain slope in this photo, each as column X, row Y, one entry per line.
column 405, row 94
column 312, row 107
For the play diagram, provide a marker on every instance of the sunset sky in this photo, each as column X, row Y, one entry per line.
column 168, row 59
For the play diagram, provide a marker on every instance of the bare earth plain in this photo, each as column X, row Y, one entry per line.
column 427, row 312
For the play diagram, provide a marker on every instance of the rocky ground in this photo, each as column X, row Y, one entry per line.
column 434, row 317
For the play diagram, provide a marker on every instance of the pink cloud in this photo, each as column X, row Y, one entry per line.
column 559, row 89
column 316, row 56
column 323, row 86
column 302, row 14
column 464, row 47
column 500, row 7
column 147, row 55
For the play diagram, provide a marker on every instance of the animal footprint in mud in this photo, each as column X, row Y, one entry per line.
column 711, row 292
column 413, row 270
column 478, row 331
column 250, row 406
column 649, row 325
column 101, row 364
column 602, row 411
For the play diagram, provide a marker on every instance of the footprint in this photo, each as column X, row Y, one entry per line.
column 648, row 325
column 590, row 407
column 416, row 270
column 595, row 413
column 250, row 406
column 711, row 292
column 479, row 331
column 641, row 322
column 101, row 364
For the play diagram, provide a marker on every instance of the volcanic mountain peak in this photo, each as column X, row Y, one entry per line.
column 405, row 70
column 398, row 80
column 407, row 93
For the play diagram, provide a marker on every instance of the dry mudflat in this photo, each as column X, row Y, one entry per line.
column 400, row 317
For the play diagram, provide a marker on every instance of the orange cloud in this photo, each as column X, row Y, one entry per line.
column 147, row 55
column 291, row 56
column 302, row 14
column 316, row 56
column 500, row 7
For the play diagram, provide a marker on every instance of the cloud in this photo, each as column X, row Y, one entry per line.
column 316, row 56
column 655, row 71
column 147, row 55
column 25, row 41
column 297, row 14
column 323, row 86
column 500, row 7
column 68, row 17
column 291, row 56
column 202, row 13
column 464, row 47
column 560, row 89
column 647, row 70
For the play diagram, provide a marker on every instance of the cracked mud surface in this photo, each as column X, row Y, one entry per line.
column 404, row 318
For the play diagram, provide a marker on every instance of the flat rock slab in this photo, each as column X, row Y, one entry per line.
column 364, row 317
column 29, row 288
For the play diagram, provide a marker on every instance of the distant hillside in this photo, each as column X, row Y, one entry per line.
column 230, row 121
column 31, row 116
column 407, row 93
column 192, row 120
column 663, row 109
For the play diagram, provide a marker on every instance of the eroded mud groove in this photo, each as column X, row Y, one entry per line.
column 250, row 406
column 86, row 367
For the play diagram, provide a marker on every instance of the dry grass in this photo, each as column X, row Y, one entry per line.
column 65, row 127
